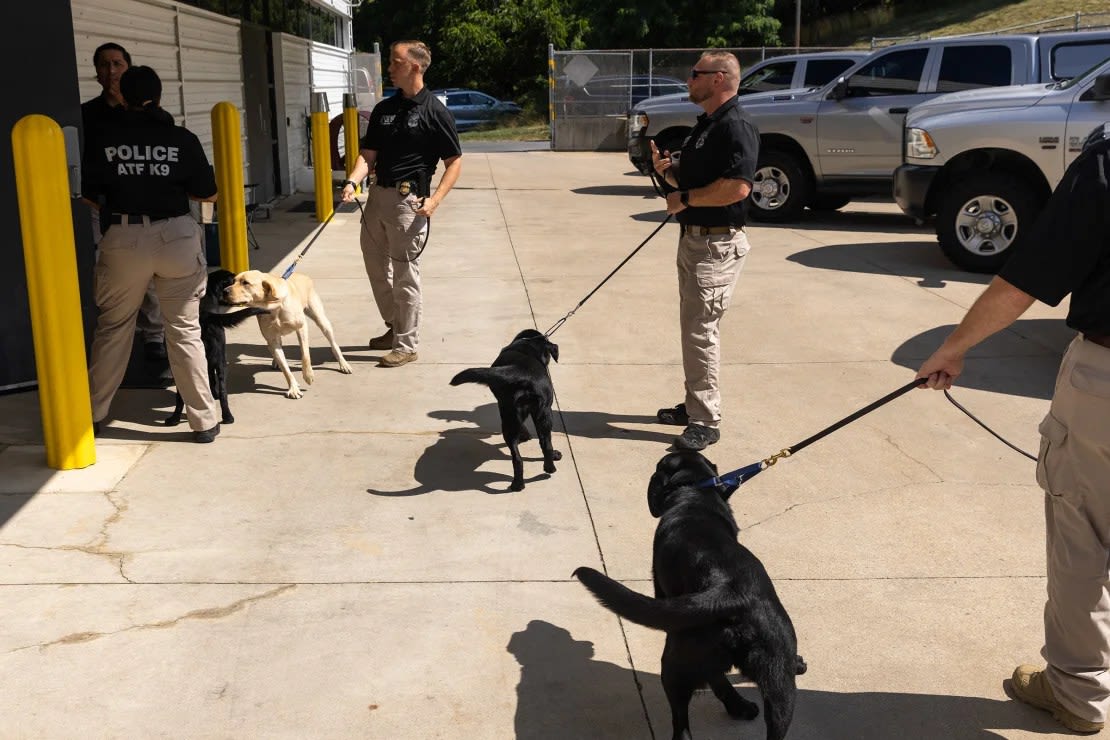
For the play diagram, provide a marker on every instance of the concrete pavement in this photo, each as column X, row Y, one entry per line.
column 352, row 564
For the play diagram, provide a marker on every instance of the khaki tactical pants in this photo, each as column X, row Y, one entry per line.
column 1074, row 470
column 170, row 253
column 391, row 236
column 708, row 268
column 150, row 314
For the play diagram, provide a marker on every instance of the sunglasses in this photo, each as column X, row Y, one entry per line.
column 695, row 72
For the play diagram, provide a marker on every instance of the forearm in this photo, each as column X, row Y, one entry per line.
column 451, row 172
column 720, row 192
column 1000, row 305
column 363, row 163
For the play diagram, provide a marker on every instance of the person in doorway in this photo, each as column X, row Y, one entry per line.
column 708, row 187
column 145, row 170
column 98, row 115
column 408, row 134
column 1067, row 251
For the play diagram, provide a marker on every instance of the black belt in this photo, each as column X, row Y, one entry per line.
column 134, row 219
column 1100, row 339
column 707, row 230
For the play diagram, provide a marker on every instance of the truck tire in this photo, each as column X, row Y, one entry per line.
column 780, row 189
column 982, row 217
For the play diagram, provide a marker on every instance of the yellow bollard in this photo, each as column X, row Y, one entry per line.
column 321, row 157
column 227, row 148
column 350, row 134
column 50, row 258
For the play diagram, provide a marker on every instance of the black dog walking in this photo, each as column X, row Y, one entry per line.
column 713, row 598
column 520, row 382
column 213, row 334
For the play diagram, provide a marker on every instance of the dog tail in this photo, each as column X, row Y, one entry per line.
column 489, row 376
column 669, row 615
column 231, row 320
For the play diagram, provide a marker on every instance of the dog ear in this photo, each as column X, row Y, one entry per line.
column 268, row 291
column 552, row 349
column 657, row 493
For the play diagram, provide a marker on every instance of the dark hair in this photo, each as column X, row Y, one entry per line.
column 141, row 88
column 111, row 46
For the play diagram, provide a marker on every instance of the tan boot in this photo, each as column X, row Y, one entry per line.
column 396, row 359
column 1031, row 686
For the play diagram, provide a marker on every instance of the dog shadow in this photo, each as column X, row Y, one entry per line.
column 587, row 424
column 564, row 692
column 452, row 464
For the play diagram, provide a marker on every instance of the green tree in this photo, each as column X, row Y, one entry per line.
column 620, row 24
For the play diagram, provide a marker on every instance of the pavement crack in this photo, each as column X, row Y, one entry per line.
column 218, row 612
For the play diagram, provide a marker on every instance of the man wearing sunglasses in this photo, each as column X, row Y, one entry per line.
column 708, row 193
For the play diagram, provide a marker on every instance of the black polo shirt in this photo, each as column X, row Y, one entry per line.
column 97, row 116
column 1068, row 249
column 725, row 144
column 410, row 136
column 147, row 166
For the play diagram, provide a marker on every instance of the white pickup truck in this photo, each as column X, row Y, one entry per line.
column 985, row 162
column 819, row 148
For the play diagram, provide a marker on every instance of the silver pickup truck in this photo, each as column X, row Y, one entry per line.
column 986, row 162
column 822, row 147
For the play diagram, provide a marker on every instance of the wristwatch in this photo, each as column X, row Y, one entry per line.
column 685, row 198
column 352, row 183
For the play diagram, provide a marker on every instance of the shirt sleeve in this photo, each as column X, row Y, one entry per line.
column 1066, row 241
column 371, row 139
column 744, row 151
column 444, row 133
column 201, row 181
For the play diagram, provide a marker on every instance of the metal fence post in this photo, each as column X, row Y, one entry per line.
column 321, row 157
column 350, row 134
column 551, row 93
column 227, row 150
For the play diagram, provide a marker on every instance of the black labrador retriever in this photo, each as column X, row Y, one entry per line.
column 713, row 598
column 520, row 382
column 213, row 333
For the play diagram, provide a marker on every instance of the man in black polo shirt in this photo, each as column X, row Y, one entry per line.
column 1068, row 251
column 409, row 132
column 712, row 179
column 99, row 115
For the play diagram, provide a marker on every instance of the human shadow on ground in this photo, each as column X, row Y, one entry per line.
column 564, row 692
column 640, row 191
column 994, row 365
column 452, row 463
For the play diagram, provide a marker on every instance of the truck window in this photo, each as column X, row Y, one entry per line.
column 775, row 76
column 896, row 73
column 1069, row 59
column 820, row 71
column 969, row 67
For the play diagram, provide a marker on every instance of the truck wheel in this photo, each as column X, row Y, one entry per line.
column 829, row 202
column 670, row 142
column 780, row 188
column 982, row 217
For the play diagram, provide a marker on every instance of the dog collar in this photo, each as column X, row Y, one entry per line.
column 734, row 477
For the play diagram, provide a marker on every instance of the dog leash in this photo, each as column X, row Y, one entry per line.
column 746, row 473
column 289, row 270
column 589, row 295
column 427, row 232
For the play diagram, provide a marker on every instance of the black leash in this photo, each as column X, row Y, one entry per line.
column 427, row 231
column 289, row 270
column 563, row 320
column 736, row 477
column 997, row 436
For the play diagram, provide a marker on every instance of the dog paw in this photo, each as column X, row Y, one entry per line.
column 518, row 485
column 308, row 376
column 229, row 419
column 172, row 421
column 556, row 455
column 524, row 435
column 345, row 368
column 548, row 466
column 801, row 666
column 294, row 392
column 742, row 708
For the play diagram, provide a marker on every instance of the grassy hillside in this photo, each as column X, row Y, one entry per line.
column 974, row 16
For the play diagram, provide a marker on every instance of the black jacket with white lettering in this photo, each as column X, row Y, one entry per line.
column 147, row 166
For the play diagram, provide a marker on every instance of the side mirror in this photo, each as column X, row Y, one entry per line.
column 1101, row 89
column 840, row 89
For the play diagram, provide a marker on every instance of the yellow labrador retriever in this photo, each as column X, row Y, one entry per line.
column 286, row 303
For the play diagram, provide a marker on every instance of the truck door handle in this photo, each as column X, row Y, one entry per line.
column 898, row 111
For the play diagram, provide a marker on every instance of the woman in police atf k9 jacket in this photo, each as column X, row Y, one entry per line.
column 147, row 169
